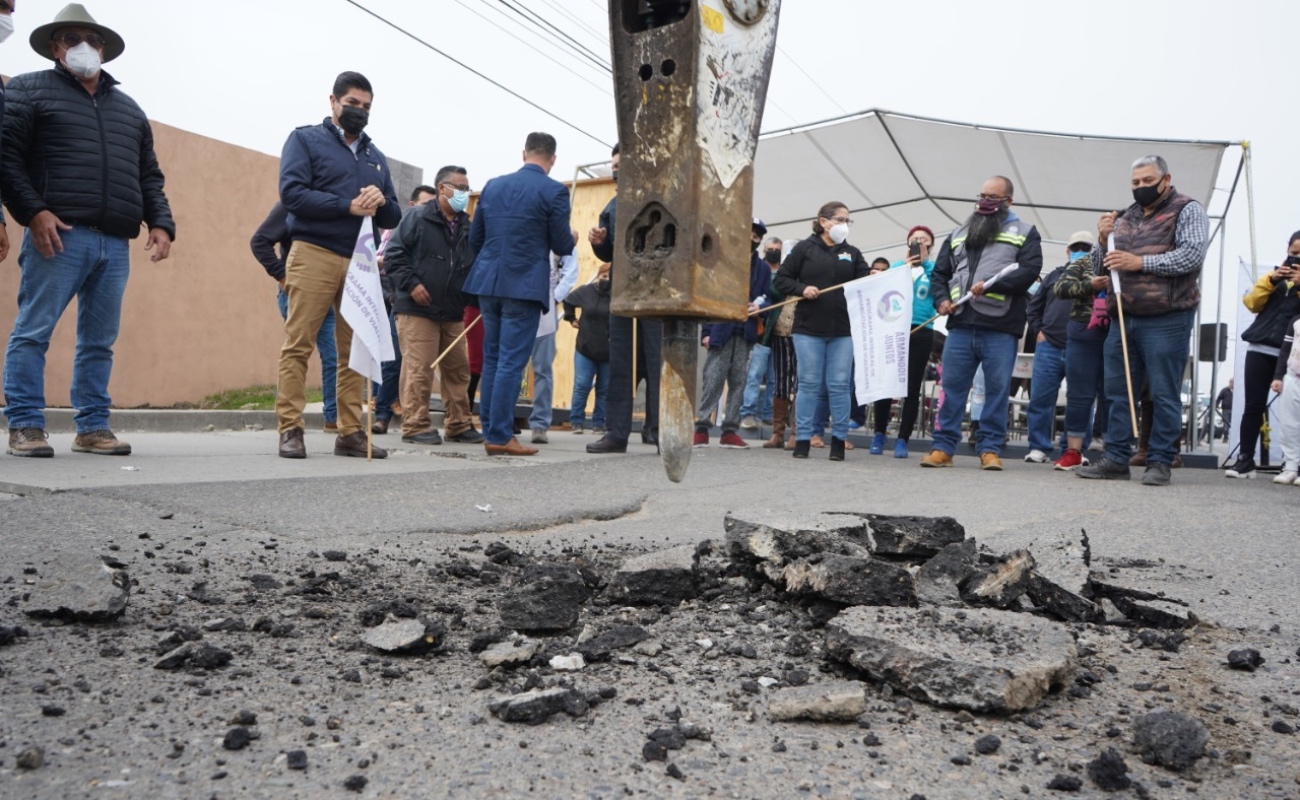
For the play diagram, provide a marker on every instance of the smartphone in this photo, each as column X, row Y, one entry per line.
column 914, row 248
column 1291, row 262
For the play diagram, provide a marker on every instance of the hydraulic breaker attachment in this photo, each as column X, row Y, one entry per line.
column 691, row 82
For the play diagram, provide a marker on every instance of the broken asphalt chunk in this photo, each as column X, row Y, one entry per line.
column 662, row 578
column 80, row 589
column 833, row 701
column 851, row 580
column 982, row 660
column 406, row 636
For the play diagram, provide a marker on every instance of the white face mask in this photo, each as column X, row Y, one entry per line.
column 83, row 60
column 839, row 232
column 6, row 26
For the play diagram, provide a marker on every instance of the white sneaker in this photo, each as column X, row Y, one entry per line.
column 1036, row 457
column 1286, row 478
column 749, row 423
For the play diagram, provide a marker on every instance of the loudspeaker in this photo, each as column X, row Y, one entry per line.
column 1208, row 350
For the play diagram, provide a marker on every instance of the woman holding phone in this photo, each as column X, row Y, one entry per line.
column 1275, row 299
column 920, row 241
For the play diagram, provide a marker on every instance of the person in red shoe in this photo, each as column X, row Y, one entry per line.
column 729, row 344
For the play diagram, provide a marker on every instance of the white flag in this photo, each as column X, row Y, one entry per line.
column 880, row 319
column 363, row 308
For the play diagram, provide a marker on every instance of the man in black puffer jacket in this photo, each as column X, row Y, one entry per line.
column 78, row 170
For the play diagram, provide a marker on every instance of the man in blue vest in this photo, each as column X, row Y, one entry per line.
column 996, row 257
column 1160, row 244
column 521, row 219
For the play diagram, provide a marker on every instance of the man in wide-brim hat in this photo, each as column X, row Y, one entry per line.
column 75, row 19
column 83, row 178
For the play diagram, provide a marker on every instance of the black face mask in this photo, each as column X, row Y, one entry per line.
column 353, row 120
column 773, row 256
column 1146, row 196
column 614, row 174
column 753, row 247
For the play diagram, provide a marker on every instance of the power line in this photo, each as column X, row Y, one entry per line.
column 601, row 36
column 564, row 38
column 539, row 51
column 811, row 79
column 470, row 69
column 527, row 25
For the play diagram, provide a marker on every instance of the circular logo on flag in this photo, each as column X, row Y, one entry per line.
column 890, row 307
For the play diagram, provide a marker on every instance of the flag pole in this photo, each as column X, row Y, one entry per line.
column 370, row 422
column 454, row 342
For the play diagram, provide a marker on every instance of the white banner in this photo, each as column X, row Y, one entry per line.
column 880, row 318
column 363, row 308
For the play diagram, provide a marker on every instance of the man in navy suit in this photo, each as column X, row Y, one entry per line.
column 521, row 219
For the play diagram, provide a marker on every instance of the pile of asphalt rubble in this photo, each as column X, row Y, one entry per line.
column 869, row 613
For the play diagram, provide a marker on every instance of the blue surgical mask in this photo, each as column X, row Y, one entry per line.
column 1033, row 290
column 1075, row 255
column 459, row 200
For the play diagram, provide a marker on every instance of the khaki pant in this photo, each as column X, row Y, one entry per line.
column 422, row 341
column 313, row 282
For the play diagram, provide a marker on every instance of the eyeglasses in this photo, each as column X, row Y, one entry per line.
column 982, row 196
column 71, row 39
column 464, row 188
column 842, row 221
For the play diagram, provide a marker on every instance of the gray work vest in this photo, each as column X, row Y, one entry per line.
column 997, row 254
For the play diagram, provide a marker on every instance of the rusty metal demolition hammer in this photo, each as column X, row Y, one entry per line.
column 691, row 82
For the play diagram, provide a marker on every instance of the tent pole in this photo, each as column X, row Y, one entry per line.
column 1218, row 321
column 1250, row 207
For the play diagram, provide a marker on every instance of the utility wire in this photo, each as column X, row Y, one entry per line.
column 564, row 38
column 601, row 36
column 518, row 20
column 470, row 69
column 811, row 79
column 539, row 51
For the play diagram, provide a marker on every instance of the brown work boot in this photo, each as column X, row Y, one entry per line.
column 354, row 445
column 29, row 442
column 780, row 410
column 291, row 444
column 510, row 448
column 816, row 441
column 937, row 458
column 102, row 443
column 991, row 462
column 1139, row 458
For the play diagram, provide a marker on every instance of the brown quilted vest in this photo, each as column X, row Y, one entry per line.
column 1145, row 294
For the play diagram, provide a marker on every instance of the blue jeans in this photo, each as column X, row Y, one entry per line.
column 1084, row 386
column 760, row 384
column 966, row 350
column 93, row 268
column 1044, row 387
column 509, row 331
column 825, row 365
column 1157, row 349
column 329, row 357
column 543, row 384
column 584, row 372
column 389, row 391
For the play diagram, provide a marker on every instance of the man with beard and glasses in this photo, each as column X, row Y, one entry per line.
column 1160, row 244
column 983, row 332
column 333, row 180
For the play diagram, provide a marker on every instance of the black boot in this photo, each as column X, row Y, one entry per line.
column 801, row 448
column 837, row 449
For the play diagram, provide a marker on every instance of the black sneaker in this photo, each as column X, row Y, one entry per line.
column 605, row 445
column 1157, row 475
column 1105, row 470
column 430, row 436
column 1243, row 467
column 470, row 435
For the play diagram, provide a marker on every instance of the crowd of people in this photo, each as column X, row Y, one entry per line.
column 482, row 296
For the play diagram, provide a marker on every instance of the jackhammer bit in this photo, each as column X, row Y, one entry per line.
column 691, row 82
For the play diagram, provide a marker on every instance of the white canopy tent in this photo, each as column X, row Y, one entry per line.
column 894, row 171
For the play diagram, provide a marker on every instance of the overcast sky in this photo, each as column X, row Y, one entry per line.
column 248, row 72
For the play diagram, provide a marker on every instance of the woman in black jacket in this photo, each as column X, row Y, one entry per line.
column 823, row 348
column 1275, row 299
